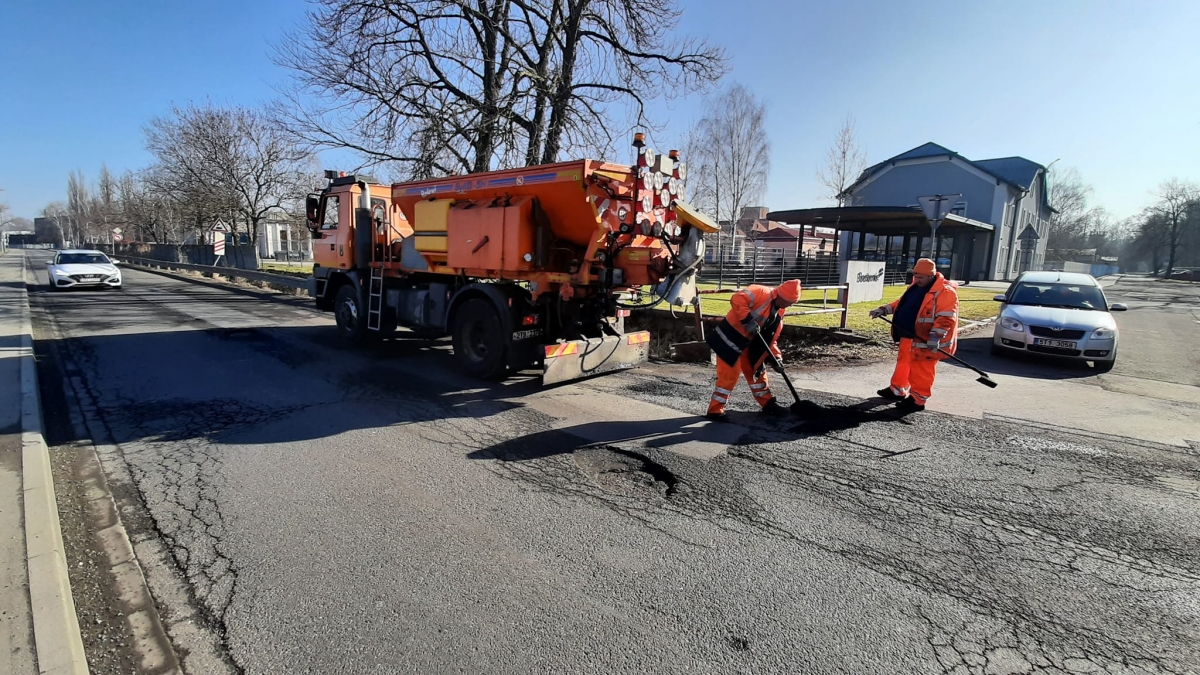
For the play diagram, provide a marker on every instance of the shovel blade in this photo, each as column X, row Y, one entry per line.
column 691, row 352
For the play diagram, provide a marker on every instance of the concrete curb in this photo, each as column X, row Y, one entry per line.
column 55, row 625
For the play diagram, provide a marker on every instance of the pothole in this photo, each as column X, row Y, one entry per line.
column 242, row 334
column 628, row 473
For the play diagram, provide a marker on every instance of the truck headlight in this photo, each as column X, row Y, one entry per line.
column 1103, row 334
column 1009, row 323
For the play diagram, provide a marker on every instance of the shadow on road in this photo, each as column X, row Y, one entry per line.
column 661, row 434
column 977, row 351
column 255, row 385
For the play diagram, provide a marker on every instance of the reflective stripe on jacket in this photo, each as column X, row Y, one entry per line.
column 938, row 317
column 751, row 306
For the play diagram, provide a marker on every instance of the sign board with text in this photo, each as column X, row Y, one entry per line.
column 864, row 279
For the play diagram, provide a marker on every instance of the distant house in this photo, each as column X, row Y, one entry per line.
column 1003, row 201
column 281, row 234
column 753, row 228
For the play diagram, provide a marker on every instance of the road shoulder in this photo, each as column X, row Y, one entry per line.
column 57, row 641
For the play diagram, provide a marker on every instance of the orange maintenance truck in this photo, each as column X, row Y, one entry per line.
column 526, row 267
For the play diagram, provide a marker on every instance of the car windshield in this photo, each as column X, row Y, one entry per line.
column 1070, row 296
column 82, row 259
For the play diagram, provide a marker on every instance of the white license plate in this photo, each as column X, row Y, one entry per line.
column 1058, row 344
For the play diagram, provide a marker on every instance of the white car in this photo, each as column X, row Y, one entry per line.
column 84, row 269
column 1061, row 314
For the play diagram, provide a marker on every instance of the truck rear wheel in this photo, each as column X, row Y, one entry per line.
column 479, row 339
column 349, row 315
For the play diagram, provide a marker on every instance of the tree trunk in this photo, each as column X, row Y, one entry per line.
column 563, row 95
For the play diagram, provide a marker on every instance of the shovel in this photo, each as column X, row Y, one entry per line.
column 804, row 408
column 984, row 379
column 697, row 350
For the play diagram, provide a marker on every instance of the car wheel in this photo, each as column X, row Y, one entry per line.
column 1105, row 366
column 350, row 315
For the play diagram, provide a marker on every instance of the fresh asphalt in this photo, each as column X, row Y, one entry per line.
column 365, row 510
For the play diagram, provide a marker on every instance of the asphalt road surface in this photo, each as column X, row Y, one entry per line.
column 304, row 507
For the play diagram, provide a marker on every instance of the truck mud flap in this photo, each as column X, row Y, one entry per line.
column 577, row 359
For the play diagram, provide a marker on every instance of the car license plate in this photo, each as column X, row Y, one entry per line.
column 1058, row 344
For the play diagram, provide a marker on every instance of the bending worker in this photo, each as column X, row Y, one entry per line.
column 754, row 310
column 928, row 310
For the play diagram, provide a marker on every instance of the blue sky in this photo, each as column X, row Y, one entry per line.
column 1111, row 88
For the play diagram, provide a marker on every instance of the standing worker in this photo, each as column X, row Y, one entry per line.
column 755, row 310
column 928, row 310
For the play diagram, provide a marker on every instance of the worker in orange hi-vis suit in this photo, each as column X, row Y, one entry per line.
column 754, row 310
column 929, row 310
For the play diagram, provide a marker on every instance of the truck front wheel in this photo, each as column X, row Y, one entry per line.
column 479, row 339
column 349, row 315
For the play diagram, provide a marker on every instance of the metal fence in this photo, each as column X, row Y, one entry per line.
column 771, row 266
column 240, row 256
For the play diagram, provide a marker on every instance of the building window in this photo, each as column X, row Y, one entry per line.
column 959, row 209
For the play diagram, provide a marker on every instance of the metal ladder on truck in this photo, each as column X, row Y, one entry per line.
column 375, row 299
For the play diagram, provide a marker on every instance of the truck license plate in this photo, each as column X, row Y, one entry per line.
column 1058, row 344
column 526, row 334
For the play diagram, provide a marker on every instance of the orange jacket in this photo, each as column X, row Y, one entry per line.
column 938, row 318
column 752, row 306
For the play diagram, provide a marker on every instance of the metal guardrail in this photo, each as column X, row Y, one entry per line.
column 825, row 308
column 232, row 272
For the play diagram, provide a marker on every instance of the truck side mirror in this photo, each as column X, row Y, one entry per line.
column 312, row 214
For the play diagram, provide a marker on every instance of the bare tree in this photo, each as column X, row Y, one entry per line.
column 844, row 162
column 1152, row 239
column 57, row 217
column 1074, row 220
column 79, row 203
column 1176, row 201
column 17, row 224
column 235, row 157
column 146, row 213
column 451, row 86
column 731, row 162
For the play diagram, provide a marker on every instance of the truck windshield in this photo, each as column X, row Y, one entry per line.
column 330, row 219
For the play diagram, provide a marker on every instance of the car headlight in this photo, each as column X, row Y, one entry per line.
column 1009, row 323
column 61, row 273
column 1103, row 334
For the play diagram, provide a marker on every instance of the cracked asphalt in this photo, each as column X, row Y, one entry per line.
column 320, row 509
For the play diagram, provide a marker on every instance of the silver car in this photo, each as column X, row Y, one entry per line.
column 1058, row 313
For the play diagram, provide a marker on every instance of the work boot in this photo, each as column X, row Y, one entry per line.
column 909, row 405
column 717, row 417
column 773, row 409
column 890, row 395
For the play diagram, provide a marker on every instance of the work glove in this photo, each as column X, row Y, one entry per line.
column 933, row 344
column 752, row 328
column 878, row 312
column 776, row 365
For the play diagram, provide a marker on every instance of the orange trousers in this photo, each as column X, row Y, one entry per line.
column 727, row 377
column 914, row 373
